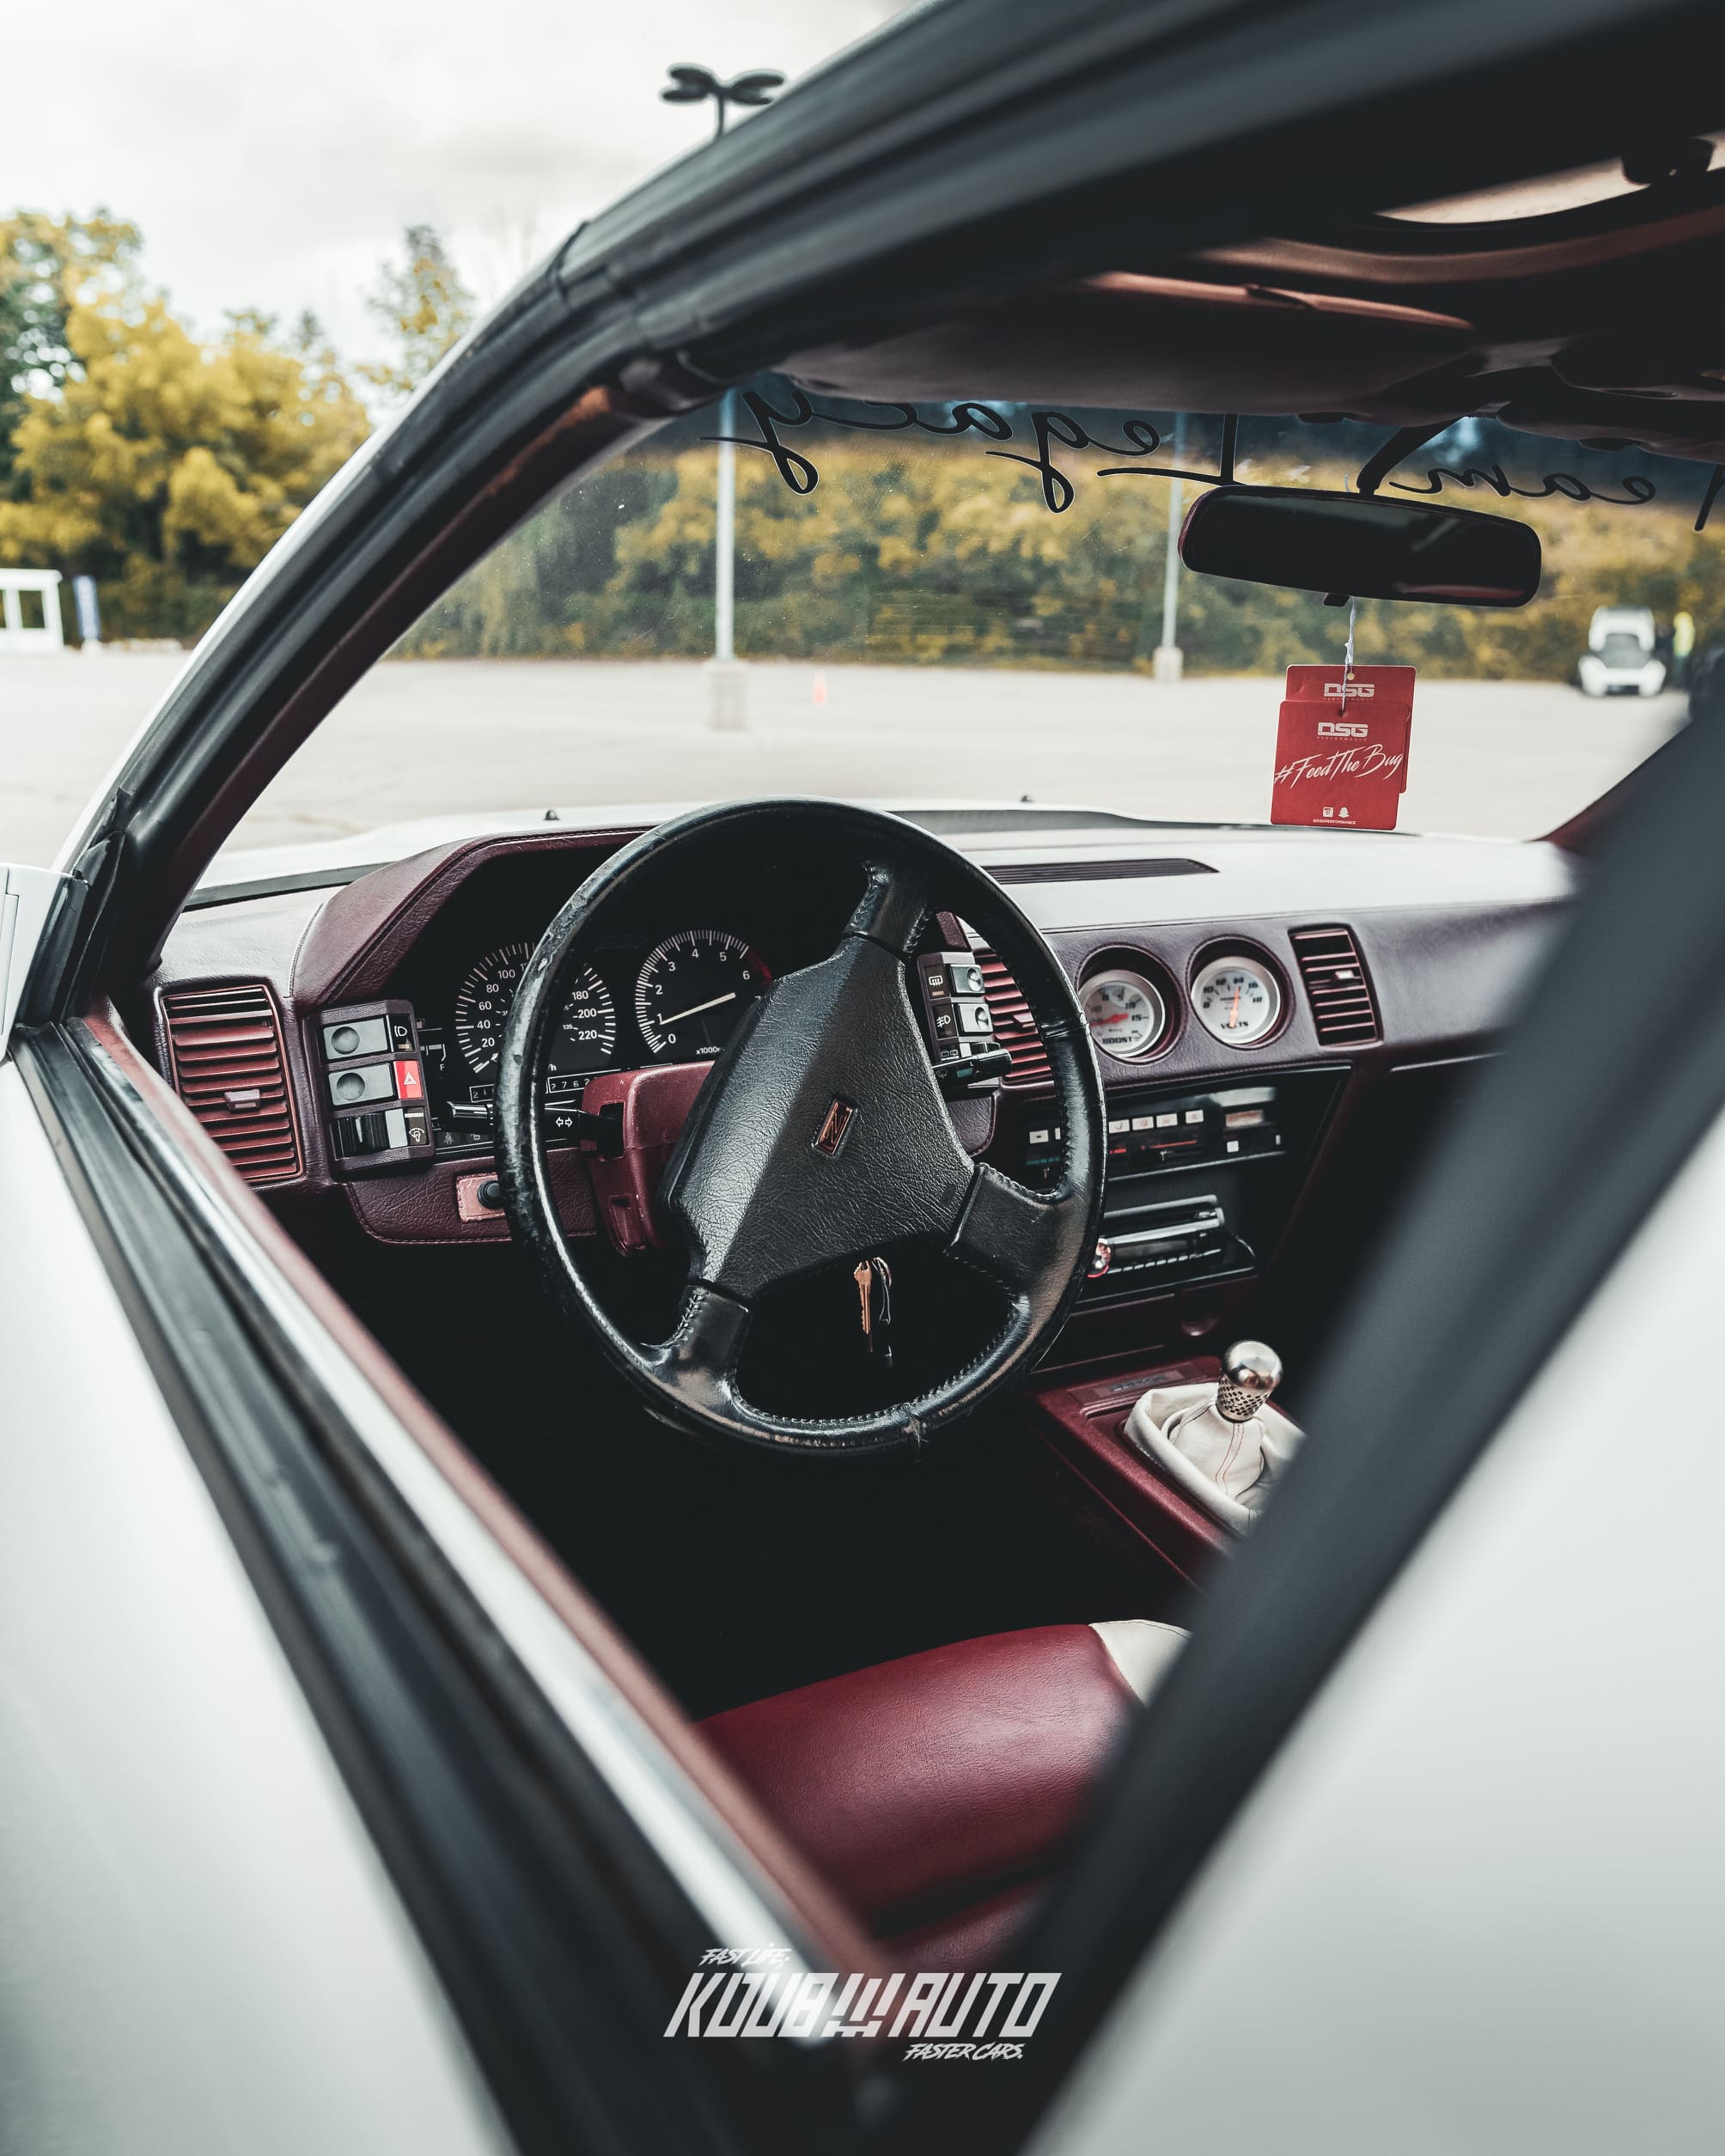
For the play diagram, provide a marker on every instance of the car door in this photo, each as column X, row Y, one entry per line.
column 328, row 1794
column 201, row 1949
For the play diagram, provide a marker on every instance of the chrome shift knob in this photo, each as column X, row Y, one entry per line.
column 1250, row 1373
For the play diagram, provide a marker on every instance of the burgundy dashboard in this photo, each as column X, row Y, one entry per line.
column 342, row 1044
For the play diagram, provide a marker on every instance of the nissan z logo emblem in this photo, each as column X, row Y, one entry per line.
column 835, row 1128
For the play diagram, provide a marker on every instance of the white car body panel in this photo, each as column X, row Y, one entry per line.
column 202, row 1951
column 1644, row 676
column 1477, row 1904
column 1645, row 679
column 26, row 895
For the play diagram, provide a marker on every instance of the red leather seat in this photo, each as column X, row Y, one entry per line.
column 936, row 1793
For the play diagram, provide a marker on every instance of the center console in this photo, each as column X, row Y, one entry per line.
column 1084, row 1425
column 1201, row 1184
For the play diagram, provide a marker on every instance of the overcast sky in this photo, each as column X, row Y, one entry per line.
column 273, row 153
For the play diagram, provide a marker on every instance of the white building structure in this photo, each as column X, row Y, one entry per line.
column 30, row 610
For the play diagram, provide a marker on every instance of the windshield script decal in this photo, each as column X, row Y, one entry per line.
column 1637, row 491
column 1050, row 431
column 1566, row 483
column 1047, row 429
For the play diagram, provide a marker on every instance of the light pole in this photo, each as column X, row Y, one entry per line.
column 725, row 707
column 695, row 85
column 1168, row 662
column 726, row 699
column 725, row 539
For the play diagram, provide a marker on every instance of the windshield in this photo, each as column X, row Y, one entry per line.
column 975, row 604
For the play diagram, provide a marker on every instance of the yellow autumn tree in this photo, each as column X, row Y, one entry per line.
column 424, row 306
column 917, row 550
column 46, row 265
column 167, row 467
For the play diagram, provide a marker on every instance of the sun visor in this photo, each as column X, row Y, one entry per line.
column 1146, row 344
column 1662, row 428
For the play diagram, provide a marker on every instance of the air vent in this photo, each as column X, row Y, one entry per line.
column 1343, row 1009
column 1014, row 1026
column 224, row 1046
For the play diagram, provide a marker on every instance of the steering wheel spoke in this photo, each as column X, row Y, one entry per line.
column 700, row 1357
column 895, row 904
column 1011, row 1232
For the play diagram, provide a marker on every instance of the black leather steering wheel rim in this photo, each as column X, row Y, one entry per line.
column 745, row 1182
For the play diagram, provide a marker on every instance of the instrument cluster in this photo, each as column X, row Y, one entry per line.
column 677, row 1001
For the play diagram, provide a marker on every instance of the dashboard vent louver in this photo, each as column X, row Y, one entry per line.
column 227, row 1061
column 1014, row 1027
column 1344, row 1010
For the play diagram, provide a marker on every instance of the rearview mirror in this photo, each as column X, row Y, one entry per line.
column 1355, row 546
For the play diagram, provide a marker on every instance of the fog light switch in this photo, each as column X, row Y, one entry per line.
column 371, row 1082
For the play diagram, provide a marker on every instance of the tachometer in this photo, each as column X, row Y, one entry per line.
column 1238, row 999
column 586, row 1036
column 692, row 990
column 1125, row 1011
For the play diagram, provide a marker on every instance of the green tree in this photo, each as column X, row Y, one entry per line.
column 424, row 305
column 47, row 264
column 166, row 467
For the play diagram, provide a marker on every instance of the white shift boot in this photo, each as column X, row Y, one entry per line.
column 1222, row 1444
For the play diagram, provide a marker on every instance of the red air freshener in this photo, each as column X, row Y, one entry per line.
column 1342, row 746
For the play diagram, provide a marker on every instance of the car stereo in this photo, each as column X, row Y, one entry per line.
column 1153, row 1131
column 1201, row 1180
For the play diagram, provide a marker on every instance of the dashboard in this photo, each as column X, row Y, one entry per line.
column 1281, row 1020
column 1277, row 1015
column 678, row 999
column 674, row 990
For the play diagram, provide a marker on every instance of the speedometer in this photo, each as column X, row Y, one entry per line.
column 586, row 1035
column 692, row 990
column 1238, row 999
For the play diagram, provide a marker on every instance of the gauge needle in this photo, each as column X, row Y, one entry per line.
column 1234, row 1014
column 695, row 1010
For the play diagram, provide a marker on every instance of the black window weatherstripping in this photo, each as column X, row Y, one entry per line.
column 1562, row 1147
column 877, row 188
column 561, row 1871
column 228, row 894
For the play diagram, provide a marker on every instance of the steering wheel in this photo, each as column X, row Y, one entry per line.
column 756, row 1200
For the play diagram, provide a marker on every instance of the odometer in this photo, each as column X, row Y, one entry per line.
column 586, row 1036
column 692, row 990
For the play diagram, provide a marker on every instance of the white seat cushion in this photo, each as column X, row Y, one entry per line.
column 1140, row 1651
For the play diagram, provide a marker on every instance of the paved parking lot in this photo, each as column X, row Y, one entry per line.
column 429, row 737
